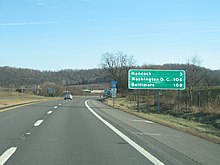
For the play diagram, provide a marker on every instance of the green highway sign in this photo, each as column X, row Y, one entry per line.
column 157, row 79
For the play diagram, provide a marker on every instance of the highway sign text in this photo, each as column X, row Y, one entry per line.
column 157, row 79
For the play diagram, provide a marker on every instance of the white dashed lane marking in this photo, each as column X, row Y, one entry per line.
column 7, row 154
column 49, row 112
column 39, row 122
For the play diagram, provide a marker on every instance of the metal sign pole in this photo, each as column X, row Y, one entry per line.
column 178, row 100
column 158, row 101
column 138, row 100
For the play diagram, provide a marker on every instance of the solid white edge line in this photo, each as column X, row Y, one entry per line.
column 7, row 154
column 145, row 153
column 39, row 122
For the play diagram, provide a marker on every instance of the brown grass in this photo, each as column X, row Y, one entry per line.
column 12, row 98
column 195, row 128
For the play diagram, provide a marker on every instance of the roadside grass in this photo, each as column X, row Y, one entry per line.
column 12, row 98
column 198, row 124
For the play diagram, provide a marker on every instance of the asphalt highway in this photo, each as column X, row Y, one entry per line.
column 85, row 131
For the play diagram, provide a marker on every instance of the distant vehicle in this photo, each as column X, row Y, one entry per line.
column 68, row 96
column 107, row 93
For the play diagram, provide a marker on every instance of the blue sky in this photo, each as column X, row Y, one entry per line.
column 73, row 34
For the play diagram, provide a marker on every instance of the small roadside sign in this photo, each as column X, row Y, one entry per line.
column 114, row 83
column 114, row 92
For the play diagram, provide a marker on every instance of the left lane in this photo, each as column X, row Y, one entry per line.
column 73, row 135
column 15, row 123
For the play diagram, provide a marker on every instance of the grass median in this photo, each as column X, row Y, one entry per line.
column 13, row 98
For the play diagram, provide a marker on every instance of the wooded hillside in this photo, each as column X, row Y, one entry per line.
column 16, row 77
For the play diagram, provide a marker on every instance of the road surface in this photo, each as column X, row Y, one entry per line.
column 85, row 131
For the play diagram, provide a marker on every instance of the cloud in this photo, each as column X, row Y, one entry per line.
column 34, row 23
column 86, row 0
column 39, row 2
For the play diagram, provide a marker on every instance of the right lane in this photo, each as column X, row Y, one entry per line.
column 73, row 135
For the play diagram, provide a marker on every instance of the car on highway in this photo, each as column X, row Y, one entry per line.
column 68, row 96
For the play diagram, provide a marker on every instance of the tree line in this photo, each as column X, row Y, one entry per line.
column 11, row 77
column 114, row 66
column 118, row 64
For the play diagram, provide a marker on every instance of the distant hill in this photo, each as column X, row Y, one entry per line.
column 11, row 77
column 196, row 76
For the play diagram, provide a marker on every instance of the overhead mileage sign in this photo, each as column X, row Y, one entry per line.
column 157, row 79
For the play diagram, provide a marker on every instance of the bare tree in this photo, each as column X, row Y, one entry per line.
column 195, row 77
column 193, row 72
column 117, row 66
column 210, row 79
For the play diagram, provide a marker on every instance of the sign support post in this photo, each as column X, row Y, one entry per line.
column 178, row 100
column 158, row 101
column 138, row 100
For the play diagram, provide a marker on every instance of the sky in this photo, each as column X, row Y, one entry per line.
column 74, row 34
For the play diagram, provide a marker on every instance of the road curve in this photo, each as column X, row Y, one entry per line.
column 85, row 131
